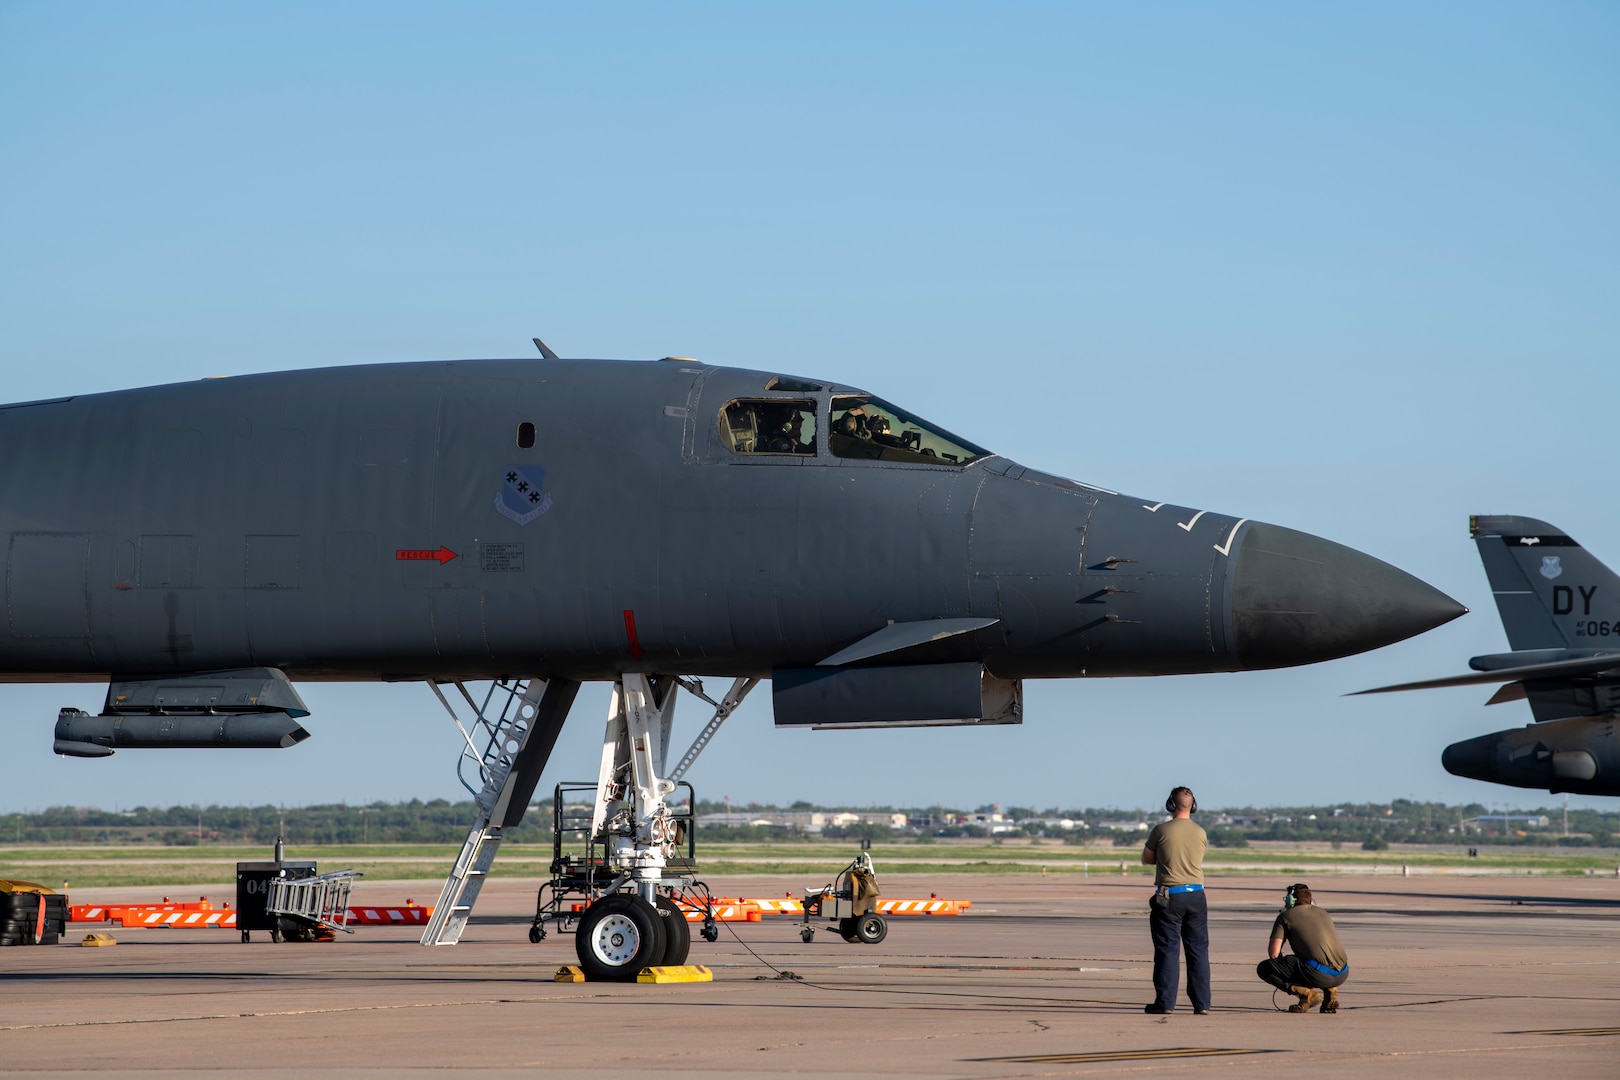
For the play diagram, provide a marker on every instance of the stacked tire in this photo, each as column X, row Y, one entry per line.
column 20, row 903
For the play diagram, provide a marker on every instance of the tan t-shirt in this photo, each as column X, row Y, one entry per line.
column 1178, row 847
column 1309, row 932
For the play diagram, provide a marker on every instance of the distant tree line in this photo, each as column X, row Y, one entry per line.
column 1371, row 826
column 414, row 822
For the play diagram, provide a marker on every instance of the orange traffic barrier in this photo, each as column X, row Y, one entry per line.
column 117, row 912
column 134, row 917
column 724, row 911
column 201, row 913
column 754, row 909
column 777, row 907
column 932, row 906
column 372, row 915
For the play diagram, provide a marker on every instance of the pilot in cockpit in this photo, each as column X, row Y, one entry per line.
column 853, row 424
column 781, row 430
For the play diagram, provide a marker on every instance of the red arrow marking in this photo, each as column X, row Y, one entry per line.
column 442, row 556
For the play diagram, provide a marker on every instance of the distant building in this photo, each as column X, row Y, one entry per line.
column 807, row 821
column 736, row 818
column 1503, row 821
column 1056, row 822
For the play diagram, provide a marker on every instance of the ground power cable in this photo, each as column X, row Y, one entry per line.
column 785, row 975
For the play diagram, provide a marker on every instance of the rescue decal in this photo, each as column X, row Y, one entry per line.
column 441, row 556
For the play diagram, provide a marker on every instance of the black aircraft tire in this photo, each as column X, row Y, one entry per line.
column 677, row 932
column 618, row 936
column 871, row 929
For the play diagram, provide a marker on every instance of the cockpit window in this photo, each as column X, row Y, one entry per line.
column 769, row 426
column 789, row 385
column 869, row 427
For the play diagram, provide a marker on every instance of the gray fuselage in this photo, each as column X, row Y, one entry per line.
column 304, row 520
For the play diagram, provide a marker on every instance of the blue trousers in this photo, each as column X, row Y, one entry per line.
column 1180, row 921
column 1286, row 972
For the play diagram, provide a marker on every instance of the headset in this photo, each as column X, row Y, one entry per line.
column 1175, row 795
column 1290, row 897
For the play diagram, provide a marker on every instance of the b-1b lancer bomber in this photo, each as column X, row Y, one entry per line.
column 1560, row 607
column 539, row 523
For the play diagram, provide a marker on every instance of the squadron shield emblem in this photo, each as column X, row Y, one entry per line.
column 523, row 495
column 1550, row 567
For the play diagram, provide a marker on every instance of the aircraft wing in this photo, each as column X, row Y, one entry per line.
column 1562, row 669
column 897, row 636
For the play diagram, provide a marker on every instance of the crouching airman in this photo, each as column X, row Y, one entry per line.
column 1318, row 966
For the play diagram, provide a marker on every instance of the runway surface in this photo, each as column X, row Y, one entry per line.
column 1451, row 976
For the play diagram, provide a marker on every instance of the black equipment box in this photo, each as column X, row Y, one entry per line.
column 253, row 890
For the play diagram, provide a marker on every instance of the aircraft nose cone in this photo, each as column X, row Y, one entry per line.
column 1299, row 599
column 1472, row 758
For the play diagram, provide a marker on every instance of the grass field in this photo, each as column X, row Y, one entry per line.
column 107, row 866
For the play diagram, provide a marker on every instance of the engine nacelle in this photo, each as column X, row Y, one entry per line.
column 1580, row 755
column 920, row 695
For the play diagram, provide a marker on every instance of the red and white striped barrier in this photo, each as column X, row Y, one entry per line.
column 202, row 914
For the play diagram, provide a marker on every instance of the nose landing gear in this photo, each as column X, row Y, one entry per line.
column 619, row 935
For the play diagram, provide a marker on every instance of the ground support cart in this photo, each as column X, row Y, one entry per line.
column 849, row 903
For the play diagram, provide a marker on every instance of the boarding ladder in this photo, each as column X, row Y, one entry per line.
column 503, row 734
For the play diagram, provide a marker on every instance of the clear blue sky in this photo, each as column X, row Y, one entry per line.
column 1347, row 268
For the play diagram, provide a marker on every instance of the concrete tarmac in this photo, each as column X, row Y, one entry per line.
column 1451, row 976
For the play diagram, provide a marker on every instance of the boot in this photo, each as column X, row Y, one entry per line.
column 1307, row 997
column 1330, row 1002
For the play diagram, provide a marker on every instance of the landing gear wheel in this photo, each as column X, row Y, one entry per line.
column 677, row 932
column 618, row 936
column 537, row 934
column 871, row 929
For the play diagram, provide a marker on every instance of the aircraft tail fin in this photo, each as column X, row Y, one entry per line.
column 1551, row 592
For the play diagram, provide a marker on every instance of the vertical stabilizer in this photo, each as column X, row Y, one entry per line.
column 1551, row 592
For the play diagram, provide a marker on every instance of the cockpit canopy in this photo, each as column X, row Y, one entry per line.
column 862, row 426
